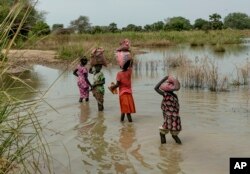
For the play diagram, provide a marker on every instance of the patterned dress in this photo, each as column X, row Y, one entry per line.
column 98, row 91
column 81, row 82
column 170, row 107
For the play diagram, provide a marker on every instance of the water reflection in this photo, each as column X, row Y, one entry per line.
column 148, row 69
column 93, row 147
column 21, row 85
column 127, row 136
column 170, row 159
column 85, row 125
column 130, row 147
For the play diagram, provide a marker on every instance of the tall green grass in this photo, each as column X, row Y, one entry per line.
column 23, row 149
column 110, row 41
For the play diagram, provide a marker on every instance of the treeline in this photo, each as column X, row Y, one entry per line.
column 36, row 24
column 235, row 20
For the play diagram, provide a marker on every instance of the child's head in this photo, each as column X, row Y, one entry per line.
column 98, row 67
column 126, row 65
column 84, row 60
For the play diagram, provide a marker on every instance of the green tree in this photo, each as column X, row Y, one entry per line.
column 237, row 21
column 40, row 28
column 57, row 26
column 147, row 27
column 96, row 29
column 157, row 26
column 5, row 6
column 113, row 27
column 81, row 25
column 201, row 24
column 132, row 27
column 27, row 10
column 178, row 23
column 215, row 21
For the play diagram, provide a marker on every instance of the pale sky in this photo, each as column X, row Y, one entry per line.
column 138, row 12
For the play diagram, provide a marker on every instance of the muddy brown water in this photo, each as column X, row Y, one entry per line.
column 83, row 140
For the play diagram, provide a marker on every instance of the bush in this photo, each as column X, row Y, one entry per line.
column 70, row 52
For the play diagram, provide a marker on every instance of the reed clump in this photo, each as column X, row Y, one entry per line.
column 203, row 74
column 174, row 62
column 22, row 146
column 195, row 43
column 242, row 75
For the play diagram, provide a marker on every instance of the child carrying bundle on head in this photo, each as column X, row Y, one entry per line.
column 97, row 61
column 123, row 81
column 170, row 107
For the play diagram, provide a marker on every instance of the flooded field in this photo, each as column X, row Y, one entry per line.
column 83, row 140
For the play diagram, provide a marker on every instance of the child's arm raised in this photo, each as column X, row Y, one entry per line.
column 159, row 84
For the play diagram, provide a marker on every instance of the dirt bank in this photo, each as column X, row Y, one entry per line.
column 33, row 56
column 20, row 60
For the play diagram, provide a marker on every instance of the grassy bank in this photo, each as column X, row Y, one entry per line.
column 71, row 46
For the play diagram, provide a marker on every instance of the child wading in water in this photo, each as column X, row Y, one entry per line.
column 170, row 108
column 98, row 85
column 82, row 79
column 123, row 79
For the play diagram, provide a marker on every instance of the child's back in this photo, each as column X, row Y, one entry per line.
column 124, row 78
column 126, row 100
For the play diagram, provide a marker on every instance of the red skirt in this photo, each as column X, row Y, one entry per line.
column 127, row 104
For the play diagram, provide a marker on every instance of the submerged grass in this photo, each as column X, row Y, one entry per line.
column 203, row 74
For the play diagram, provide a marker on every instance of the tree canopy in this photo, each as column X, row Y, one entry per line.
column 201, row 24
column 237, row 21
column 81, row 24
column 215, row 21
column 25, row 11
column 178, row 23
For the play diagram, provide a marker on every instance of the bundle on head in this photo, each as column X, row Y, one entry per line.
column 171, row 84
column 124, row 45
column 97, row 57
column 122, row 57
column 122, row 53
